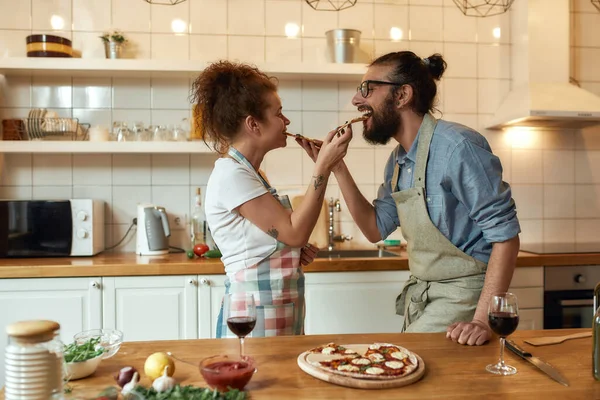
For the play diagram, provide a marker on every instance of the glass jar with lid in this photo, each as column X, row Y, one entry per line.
column 34, row 361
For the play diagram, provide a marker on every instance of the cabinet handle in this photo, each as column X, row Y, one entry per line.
column 205, row 282
column 96, row 285
column 193, row 282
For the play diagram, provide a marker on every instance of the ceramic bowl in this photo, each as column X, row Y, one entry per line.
column 82, row 369
column 110, row 339
column 224, row 372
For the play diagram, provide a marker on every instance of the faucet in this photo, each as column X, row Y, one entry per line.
column 335, row 206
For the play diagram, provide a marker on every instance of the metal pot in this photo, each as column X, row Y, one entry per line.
column 113, row 49
column 343, row 45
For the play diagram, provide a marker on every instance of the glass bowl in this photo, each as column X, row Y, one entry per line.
column 110, row 339
column 224, row 372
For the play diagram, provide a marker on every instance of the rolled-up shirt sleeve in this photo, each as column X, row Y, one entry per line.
column 385, row 206
column 474, row 176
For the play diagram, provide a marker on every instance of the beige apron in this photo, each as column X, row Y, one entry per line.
column 445, row 283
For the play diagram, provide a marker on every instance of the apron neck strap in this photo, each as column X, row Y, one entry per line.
column 427, row 127
column 239, row 157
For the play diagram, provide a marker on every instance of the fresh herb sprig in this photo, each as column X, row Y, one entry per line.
column 189, row 393
column 82, row 352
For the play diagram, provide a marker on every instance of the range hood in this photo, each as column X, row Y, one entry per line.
column 541, row 95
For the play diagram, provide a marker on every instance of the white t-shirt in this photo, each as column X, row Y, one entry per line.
column 242, row 243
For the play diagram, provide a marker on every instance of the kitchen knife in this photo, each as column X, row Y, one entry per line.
column 542, row 365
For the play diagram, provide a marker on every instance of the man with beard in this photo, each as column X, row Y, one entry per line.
column 443, row 186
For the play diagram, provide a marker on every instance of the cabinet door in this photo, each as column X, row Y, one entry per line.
column 353, row 302
column 75, row 303
column 211, row 289
column 152, row 307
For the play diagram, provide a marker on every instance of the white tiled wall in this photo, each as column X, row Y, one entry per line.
column 544, row 172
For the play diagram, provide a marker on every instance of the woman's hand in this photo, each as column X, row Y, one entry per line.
column 331, row 150
column 308, row 254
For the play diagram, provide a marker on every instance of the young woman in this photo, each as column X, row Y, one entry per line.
column 263, row 241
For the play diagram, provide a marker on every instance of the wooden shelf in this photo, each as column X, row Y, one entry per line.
column 92, row 67
column 18, row 146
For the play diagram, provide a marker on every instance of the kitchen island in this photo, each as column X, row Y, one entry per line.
column 452, row 371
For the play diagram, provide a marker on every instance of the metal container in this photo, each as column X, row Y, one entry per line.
column 343, row 45
column 113, row 49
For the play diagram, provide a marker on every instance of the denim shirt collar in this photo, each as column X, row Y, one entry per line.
column 412, row 153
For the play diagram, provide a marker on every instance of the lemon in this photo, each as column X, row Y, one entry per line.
column 155, row 365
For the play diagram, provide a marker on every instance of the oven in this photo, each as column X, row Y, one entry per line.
column 569, row 296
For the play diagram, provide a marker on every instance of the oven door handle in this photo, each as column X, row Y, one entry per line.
column 576, row 303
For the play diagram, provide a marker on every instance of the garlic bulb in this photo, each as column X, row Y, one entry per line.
column 130, row 385
column 164, row 382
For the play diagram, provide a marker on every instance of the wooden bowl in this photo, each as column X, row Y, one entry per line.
column 43, row 45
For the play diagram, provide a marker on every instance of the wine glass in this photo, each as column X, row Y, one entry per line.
column 241, row 315
column 503, row 317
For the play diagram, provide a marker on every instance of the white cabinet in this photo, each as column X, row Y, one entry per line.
column 75, row 303
column 211, row 289
column 353, row 302
column 528, row 285
column 151, row 307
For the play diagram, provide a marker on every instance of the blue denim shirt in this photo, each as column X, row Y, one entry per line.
column 466, row 197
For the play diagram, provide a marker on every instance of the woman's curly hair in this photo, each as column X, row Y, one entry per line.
column 224, row 94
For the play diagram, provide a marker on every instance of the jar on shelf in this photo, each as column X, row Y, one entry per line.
column 33, row 360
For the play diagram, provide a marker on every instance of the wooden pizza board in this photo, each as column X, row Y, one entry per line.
column 357, row 383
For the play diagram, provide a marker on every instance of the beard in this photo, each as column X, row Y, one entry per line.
column 385, row 123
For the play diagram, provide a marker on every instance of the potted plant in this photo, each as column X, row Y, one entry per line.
column 113, row 44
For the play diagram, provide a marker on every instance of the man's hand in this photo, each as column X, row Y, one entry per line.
column 474, row 333
column 308, row 254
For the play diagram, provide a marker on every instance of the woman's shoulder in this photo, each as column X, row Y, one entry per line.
column 226, row 166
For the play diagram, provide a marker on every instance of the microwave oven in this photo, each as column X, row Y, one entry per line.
column 51, row 228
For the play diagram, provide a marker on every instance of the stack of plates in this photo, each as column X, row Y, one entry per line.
column 48, row 46
column 32, row 373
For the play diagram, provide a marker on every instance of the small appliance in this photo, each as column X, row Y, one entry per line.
column 153, row 230
column 51, row 228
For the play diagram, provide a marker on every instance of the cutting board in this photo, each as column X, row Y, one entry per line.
column 320, row 235
column 357, row 383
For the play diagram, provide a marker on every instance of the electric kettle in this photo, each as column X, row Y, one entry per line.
column 152, row 230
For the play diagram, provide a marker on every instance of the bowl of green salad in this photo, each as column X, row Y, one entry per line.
column 82, row 359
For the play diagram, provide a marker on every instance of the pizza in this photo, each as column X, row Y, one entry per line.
column 379, row 361
column 332, row 348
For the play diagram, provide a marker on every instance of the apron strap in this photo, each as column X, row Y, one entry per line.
column 426, row 129
column 239, row 157
column 395, row 177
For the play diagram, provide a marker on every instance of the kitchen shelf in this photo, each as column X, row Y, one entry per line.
column 23, row 146
column 99, row 67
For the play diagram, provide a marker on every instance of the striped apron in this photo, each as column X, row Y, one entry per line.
column 445, row 283
column 277, row 283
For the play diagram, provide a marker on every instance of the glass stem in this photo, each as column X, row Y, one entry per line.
column 501, row 362
column 241, row 347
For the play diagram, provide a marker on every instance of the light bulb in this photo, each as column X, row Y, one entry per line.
column 57, row 22
column 396, row 33
column 497, row 32
column 178, row 26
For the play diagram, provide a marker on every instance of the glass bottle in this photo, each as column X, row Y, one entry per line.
column 34, row 362
column 198, row 220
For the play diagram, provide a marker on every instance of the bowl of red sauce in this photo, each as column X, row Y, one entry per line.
column 227, row 372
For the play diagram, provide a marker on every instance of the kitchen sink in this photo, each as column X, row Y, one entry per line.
column 356, row 254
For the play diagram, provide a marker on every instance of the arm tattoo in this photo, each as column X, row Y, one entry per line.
column 319, row 180
column 273, row 232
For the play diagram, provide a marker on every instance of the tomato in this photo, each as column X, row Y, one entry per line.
column 200, row 249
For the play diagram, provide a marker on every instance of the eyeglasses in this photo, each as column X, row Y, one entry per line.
column 364, row 88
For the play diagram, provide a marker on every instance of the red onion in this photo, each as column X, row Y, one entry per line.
column 125, row 375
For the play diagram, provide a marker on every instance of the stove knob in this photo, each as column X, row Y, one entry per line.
column 579, row 278
column 82, row 215
column 82, row 234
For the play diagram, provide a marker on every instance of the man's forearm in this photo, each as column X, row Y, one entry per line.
column 499, row 274
column 361, row 210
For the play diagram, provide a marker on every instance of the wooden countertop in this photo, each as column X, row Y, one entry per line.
column 452, row 371
column 129, row 264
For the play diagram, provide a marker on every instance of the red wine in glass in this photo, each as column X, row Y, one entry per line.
column 503, row 323
column 503, row 318
column 241, row 326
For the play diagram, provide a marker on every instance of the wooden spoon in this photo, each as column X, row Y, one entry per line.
column 543, row 341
